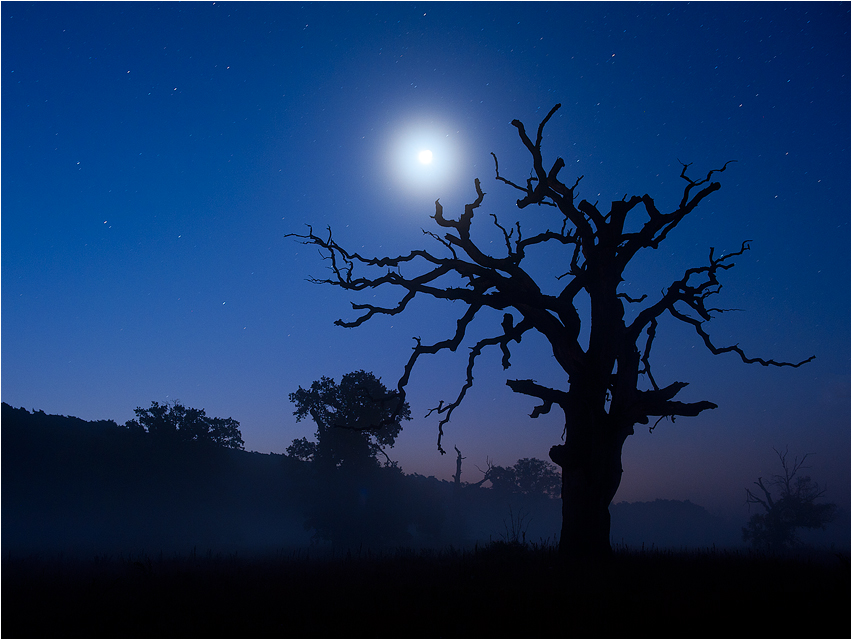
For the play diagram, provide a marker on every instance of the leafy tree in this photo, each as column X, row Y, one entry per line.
column 343, row 413
column 794, row 507
column 502, row 479
column 302, row 449
column 610, row 384
column 354, row 500
column 173, row 423
column 529, row 476
column 537, row 477
column 224, row 432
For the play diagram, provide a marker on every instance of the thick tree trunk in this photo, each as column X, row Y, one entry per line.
column 591, row 474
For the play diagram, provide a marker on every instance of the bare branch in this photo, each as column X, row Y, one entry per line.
column 548, row 396
column 659, row 403
column 652, row 332
column 697, row 324
column 693, row 183
column 659, row 420
column 751, row 498
column 507, row 235
column 659, row 225
column 463, row 223
column 694, row 296
column 526, row 190
column 510, row 332
column 450, row 247
column 544, row 122
column 624, row 296
column 372, row 310
column 536, row 195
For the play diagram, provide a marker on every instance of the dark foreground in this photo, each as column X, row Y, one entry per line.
column 501, row 591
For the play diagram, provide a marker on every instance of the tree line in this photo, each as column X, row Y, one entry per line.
column 342, row 488
column 173, row 422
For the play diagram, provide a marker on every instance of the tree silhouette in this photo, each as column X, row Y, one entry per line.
column 794, row 507
column 529, row 476
column 458, row 473
column 537, row 477
column 342, row 413
column 353, row 499
column 302, row 449
column 171, row 423
column 604, row 398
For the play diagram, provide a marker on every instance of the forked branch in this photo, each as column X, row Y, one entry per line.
column 693, row 290
column 511, row 332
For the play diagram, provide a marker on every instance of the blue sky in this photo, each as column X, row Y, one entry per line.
column 155, row 155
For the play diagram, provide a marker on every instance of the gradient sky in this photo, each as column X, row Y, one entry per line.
column 155, row 155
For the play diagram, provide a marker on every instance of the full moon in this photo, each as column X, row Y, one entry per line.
column 423, row 156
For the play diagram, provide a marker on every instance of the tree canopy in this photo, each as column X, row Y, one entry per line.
column 344, row 415
column 529, row 476
column 173, row 422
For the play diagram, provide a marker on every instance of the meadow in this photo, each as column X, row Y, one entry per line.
column 107, row 535
column 498, row 590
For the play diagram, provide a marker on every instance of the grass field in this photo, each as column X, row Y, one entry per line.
column 497, row 591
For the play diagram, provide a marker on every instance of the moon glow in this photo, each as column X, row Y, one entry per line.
column 423, row 155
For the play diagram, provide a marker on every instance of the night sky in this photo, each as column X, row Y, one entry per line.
column 155, row 155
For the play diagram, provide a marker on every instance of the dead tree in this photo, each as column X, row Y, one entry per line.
column 610, row 384
column 457, row 475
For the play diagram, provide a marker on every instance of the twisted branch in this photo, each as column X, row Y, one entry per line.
column 510, row 333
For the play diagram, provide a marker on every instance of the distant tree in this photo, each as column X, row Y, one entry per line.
column 502, row 479
column 224, row 432
column 342, row 414
column 529, row 476
column 610, row 384
column 302, row 449
column 793, row 507
column 535, row 477
column 458, row 473
column 354, row 499
column 173, row 422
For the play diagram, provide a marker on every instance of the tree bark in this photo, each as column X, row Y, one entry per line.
column 588, row 487
column 590, row 461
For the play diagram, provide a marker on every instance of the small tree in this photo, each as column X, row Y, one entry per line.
column 537, row 477
column 529, row 476
column 502, row 479
column 354, row 499
column 341, row 414
column 794, row 507
column 302, row 449
column 172, row 423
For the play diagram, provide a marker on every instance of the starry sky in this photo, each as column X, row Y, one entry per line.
column 154, row 155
